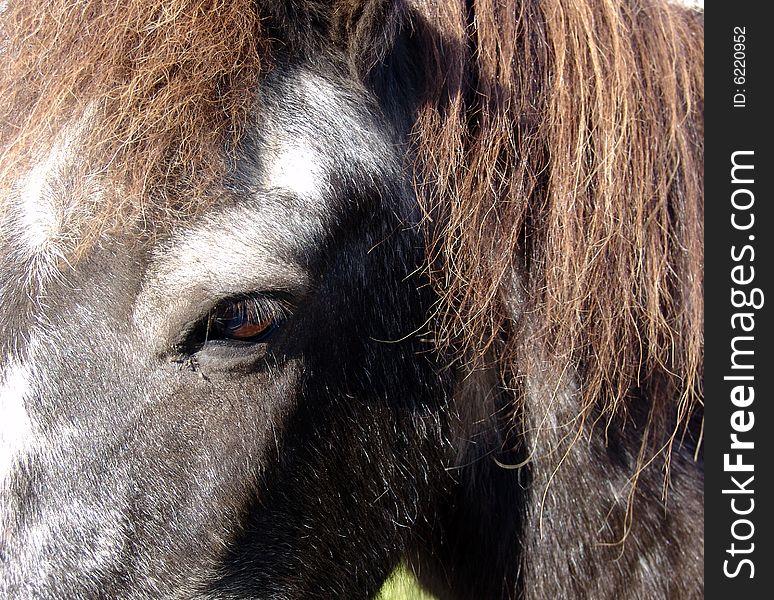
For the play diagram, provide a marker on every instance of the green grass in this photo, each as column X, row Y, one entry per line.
column 402, row 586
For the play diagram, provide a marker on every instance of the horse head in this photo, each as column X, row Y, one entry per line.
column 293, row 291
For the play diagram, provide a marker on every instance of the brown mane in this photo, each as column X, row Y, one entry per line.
column 564, row 140
column 560, row 139
column 164, row 85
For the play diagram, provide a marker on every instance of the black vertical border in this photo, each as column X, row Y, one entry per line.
column 729, row 129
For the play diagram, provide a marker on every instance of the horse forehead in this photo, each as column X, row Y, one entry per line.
column 311, row 132
column 311, row 126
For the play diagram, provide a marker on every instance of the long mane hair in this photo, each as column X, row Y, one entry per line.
column 564, row 141
column 559, row 140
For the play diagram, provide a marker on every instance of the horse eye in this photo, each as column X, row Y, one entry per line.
column 244, row 320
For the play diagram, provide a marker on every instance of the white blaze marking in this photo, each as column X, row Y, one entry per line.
column 39, row 216
column 15, row 425
column 363, row 144
column 298, row 168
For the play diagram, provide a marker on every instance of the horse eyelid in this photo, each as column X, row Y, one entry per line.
column 274, row 306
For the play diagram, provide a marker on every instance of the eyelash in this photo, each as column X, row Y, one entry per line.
column 241, row 320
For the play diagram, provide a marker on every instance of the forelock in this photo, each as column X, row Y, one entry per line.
column 159, row 88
